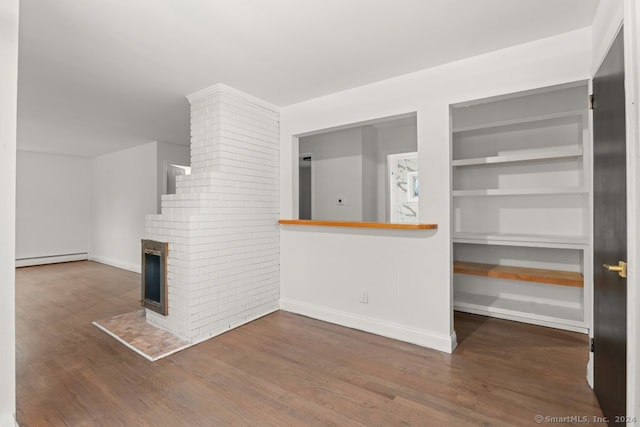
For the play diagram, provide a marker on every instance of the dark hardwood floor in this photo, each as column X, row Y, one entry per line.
column 282, row 369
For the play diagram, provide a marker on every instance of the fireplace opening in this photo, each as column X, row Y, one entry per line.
column 154, row 276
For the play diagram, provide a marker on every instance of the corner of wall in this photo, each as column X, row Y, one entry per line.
column 605, row 26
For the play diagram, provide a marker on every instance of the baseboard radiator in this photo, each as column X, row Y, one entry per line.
column 51, row 259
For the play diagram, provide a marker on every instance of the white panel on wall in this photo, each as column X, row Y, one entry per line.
column 53, row 205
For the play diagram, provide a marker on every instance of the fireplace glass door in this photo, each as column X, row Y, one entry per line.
column 154, row 276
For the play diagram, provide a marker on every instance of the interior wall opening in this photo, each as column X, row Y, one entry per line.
column 359, row 172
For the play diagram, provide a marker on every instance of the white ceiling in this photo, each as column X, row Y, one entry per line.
column 97, row 76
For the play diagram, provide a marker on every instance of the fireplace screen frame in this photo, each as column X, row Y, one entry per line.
column 161, row 250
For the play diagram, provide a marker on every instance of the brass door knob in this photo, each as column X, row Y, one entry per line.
column 621, row 268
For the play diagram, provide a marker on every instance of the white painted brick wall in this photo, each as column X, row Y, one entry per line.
column 222, row 224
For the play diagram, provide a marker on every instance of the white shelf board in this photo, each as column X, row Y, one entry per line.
column 523, row 156
column 519, row 191
column 554, row 316
column 524, row 120
column 529, row 240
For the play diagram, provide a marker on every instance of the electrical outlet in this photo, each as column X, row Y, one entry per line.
column 364, row 296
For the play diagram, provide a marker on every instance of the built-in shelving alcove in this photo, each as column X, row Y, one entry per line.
column 521, row 207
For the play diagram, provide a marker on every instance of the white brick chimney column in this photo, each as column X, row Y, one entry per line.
column 222, row 225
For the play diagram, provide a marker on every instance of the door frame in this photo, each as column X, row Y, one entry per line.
column 632, row 84
column 609, row 318
column 311, row 180
column 629, row 14
column 390, row 182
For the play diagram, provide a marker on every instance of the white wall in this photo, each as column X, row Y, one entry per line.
column 125, row 187
column 169, row 154
column 336, row 172
column 124, row 190
column 53, row 197
column 422, row 281
column 8, row 101
column 304, row 195
column 63, row 202
column 370, row 174
column 324, row 270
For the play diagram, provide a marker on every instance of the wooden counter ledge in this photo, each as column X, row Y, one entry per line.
column 359, row 224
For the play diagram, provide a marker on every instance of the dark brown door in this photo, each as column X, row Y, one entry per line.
column 610, row 234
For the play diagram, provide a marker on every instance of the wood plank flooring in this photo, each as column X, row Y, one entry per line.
column 282, row 369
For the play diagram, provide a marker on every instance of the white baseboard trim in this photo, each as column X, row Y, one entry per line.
column 410, row 334
column 116, row 263
column 8, row 421
column 51, row 259
column 198, row 340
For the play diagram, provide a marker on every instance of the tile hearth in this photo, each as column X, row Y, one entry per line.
column 132, row 330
